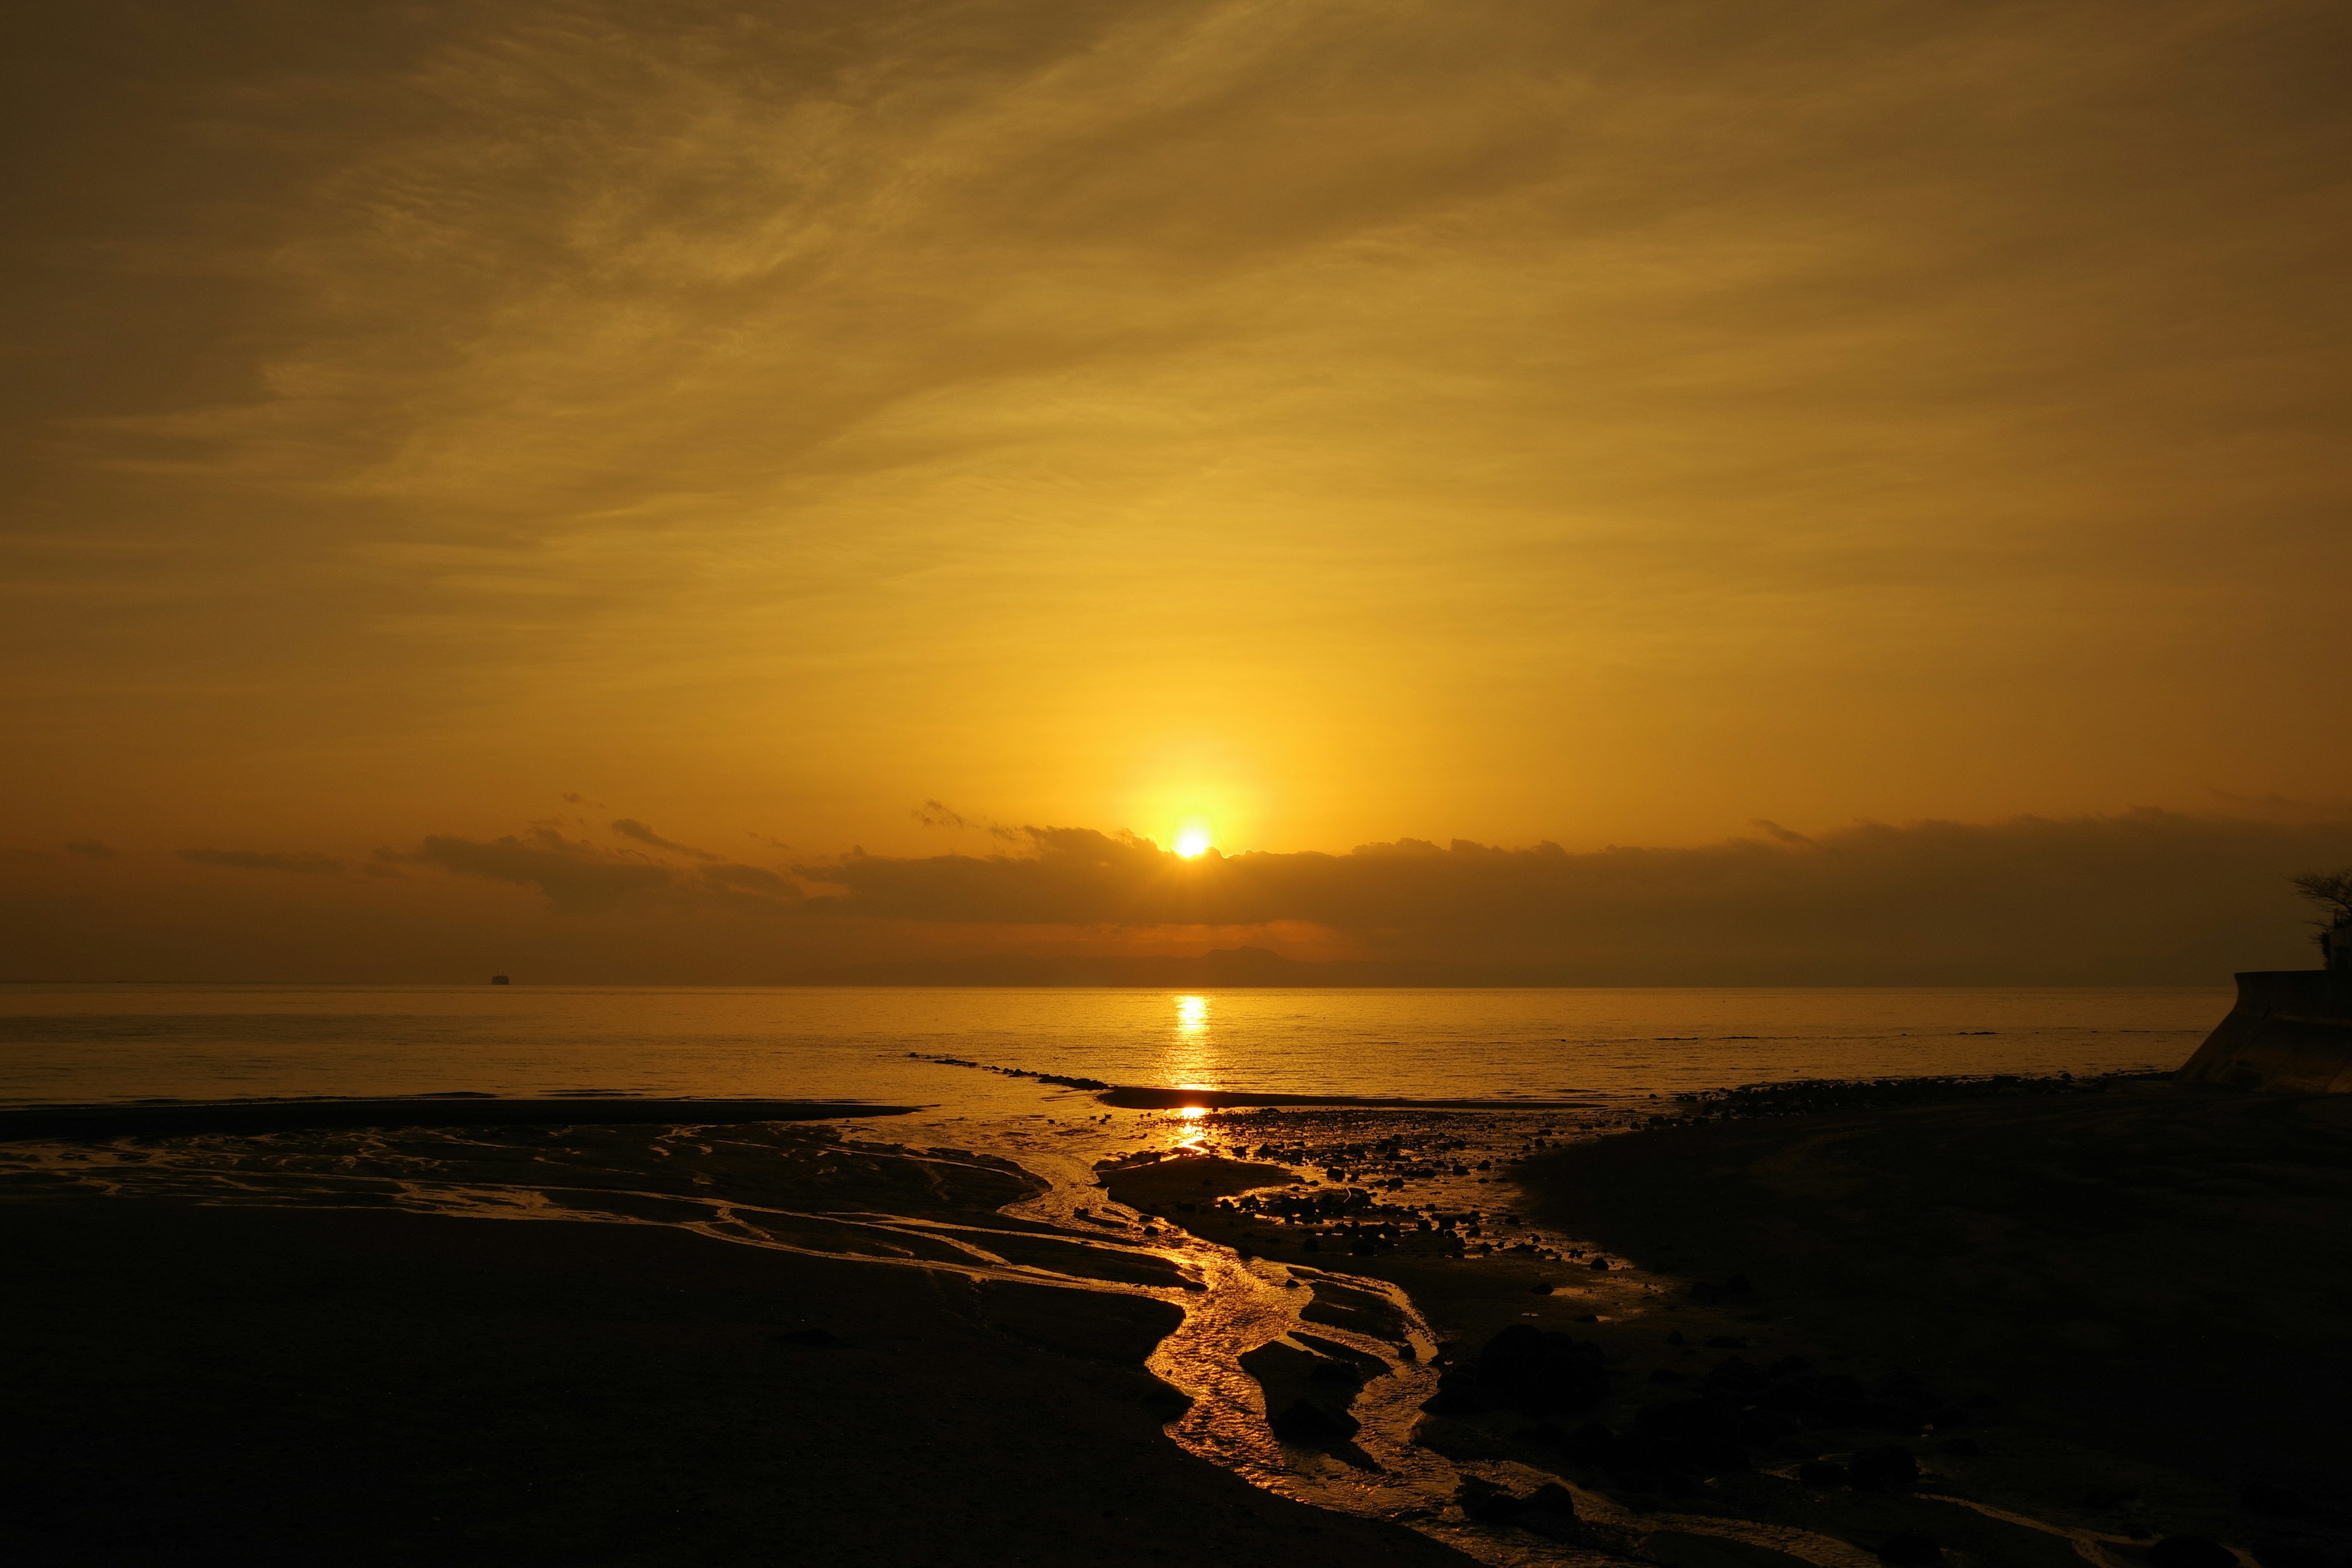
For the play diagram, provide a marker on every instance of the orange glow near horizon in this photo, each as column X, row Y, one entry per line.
column 703, row 515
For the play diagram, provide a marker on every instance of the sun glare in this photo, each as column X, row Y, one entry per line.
column 1193, row 843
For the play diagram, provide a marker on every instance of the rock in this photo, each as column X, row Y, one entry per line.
column 1599, row 1265
column 1458, row 1393
column 1312, row 1426
column 2190, row 1552
column 1338, row 1372
column 1458, row 1439
column 1891, row 1468
column 1675, row 1338
column 1823, row 1473
column 1551, row 1511
column 1539, row 1289
column 1484, row 1502
column 1909, row 1548
column 1166, row 1403
column 818, row 1337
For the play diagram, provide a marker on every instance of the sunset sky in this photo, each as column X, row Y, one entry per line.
column 770, row 462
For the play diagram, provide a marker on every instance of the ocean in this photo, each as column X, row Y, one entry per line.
column 84, row 1044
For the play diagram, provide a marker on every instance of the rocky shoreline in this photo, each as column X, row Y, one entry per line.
column 2017, row 1323
column 1983, row 1321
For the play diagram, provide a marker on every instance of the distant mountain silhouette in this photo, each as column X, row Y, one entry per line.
column 1230, row 966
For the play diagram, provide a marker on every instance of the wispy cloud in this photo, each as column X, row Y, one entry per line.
column 1030, row 388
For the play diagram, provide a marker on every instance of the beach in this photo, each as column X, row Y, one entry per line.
column 2091, row 1317
column 320, row 1376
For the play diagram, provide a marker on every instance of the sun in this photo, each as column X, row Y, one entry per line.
column 1193, row 843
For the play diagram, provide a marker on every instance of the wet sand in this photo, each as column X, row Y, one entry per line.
column 1130, row 1097
column 154, row 1120
column 244, row 1351
column 2152, row 1285
column 2092, row 1320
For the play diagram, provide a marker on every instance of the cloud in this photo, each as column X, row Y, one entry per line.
column 578, row 875
column 306, row 862
column 2146, row 896
column 91, row 850
column 630, row 827
column 1947, row 392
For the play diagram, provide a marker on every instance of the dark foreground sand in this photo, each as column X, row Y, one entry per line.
column 260, row 1386
column 2126, row 1315
column 2155, row 1285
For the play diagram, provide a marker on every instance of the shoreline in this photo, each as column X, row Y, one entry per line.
column 2115, row 1316
column 460, row 1109
column 1737, row 1267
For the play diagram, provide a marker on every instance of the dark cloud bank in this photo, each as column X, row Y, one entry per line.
column 2146, row 897
column 304, row 861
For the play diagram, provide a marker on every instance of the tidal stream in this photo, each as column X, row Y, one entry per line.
column 937, row 1209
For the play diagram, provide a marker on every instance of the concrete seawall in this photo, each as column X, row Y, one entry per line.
column 2291, row 1031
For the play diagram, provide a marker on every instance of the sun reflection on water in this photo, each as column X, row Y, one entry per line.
column 1193, row 1056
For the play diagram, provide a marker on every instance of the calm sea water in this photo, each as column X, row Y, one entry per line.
column 92, row 1042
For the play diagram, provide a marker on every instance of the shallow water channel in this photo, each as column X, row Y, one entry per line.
column 805, row 1191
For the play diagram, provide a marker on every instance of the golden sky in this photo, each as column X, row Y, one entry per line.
column 1324, row 422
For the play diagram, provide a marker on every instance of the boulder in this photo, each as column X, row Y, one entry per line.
column 1313, row 1426
column 1551, row 1511
column 1484, row 1502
